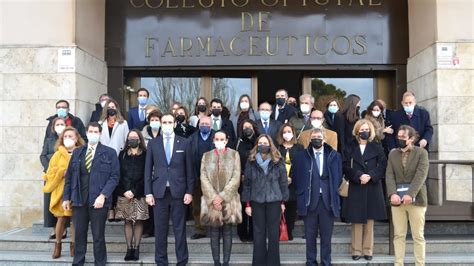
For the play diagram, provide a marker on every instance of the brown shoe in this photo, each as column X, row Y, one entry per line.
column 57, row 250
column 71, row 249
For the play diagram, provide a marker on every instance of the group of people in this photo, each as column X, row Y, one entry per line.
column 246, row 168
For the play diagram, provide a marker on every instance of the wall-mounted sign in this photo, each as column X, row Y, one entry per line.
column 66, row 59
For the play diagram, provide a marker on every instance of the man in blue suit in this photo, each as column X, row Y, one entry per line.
column 137, row 115
column 414, row 116
column 265, row 124
column 281, row 111
column 169, row 184
column 317, row 174
column 91, row 177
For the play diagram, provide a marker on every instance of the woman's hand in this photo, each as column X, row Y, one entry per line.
column 248, row 211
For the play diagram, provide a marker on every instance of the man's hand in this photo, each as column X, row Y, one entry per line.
column 283, row 208
column 150, row 200
column 423, row 143
column 388, row 130
column 407, row 199
column 67, row 205
column 188, row 198
column 395, row 200
column 248, row 211
column 99, row 201
column 289, row 180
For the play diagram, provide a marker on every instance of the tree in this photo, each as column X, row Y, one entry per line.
column 323, row 93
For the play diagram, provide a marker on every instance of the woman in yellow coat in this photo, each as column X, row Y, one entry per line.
column 54, row 177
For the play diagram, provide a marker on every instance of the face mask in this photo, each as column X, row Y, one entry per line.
column 133, row 143
column 333, row 109
column 155, row 125
column 288, row 136
column 111, row 112
column 280, row 101
column 263, row 148
column 167, row 129
column 364, row 135
column 265, row 115
column 401, row 143
column 59, row 129
column 61, row 112
column 103, row 103
column 293, row 104
column 180, row 118
column 316, row 143
column 376, row 113
column 202, row 108
column 244, row 105
column 205, row 129
column 69, row 143
column 248, row 132
column 216, row 112
column 220, row 145
column 93, row 138
column 142, row 100
column 316, row 123
column 305, row 109
column 409, row 109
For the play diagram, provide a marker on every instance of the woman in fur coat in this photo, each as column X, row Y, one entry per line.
column 220, row 204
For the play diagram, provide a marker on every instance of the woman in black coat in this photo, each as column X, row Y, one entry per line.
column 289, row 148
column 245, row 144
column 334, row 121
column 183, row 129
column 364, row 166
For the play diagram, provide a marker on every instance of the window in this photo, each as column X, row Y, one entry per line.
column 229, row 91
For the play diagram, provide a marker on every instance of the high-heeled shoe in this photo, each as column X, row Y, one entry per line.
column 71, row 249
column 57, row 250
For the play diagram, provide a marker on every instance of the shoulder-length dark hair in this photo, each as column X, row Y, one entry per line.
column 274, row 153
column 119, row 115
column 350, row 111
column 196, row 109
column 371, row 108
column 256, row 132
column 280, row 138
column 239, row 110
column 141, row 146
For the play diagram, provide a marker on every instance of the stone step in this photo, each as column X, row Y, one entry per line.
column 44, row 259
column 26, row 240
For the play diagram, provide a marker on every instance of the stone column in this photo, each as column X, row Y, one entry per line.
column 443, row 85
column 30, row 85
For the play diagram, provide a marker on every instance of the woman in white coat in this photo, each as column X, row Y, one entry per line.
column 114, row 126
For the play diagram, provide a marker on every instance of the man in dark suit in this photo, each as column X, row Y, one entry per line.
column 95, row 116
column 169, row 184
column 302, row 121
column 137, row 115
column 222, row 123
column 414, row 116
column 201, row 142
column 317, row 174
column 62, row 110
column 282, row 111
column 266, row 125
column 91, row 177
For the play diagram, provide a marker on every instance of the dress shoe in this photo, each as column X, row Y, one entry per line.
column 136, row 253
column 57, row 250
column 71, row 249
column 129, row 255
column 197, row 236
column 367, row 257
column 355, row 257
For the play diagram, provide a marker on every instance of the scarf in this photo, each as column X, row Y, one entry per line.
column 263, row 164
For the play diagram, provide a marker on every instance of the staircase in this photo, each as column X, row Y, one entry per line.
column 448, row 243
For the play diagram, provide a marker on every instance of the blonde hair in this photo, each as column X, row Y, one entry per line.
column 119, row 117
column 359, row 124
column 274, row 153
column 60, row 141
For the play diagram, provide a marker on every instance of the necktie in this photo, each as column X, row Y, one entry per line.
column 89, row 159
column 265, row 127
column 306, row 117
column 318, row 162
column 410, row 115
column 142, row 114
column 168, row 149
column 214, row 125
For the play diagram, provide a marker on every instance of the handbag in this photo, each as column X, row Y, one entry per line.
column 343, row 189
column 283, row 228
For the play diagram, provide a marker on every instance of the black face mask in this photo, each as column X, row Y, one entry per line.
column 216, row 112
column 111, row 112
column 401, row 143
column 248, row 132
column 294, row 105
column 133, row 143
column 280, row 101
column 180, row 118
column 202, row 108
column 316, row 143
column 364, row 135
column 263, row 149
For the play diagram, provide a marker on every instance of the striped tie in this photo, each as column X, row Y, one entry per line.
column 89, row 159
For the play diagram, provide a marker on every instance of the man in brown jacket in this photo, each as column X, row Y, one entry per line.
column 405, row 177
column 317, row 121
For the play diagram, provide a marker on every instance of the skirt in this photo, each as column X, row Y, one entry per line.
column 131, row 210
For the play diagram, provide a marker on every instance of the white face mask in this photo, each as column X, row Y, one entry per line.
column 376, row 113
column 93, row 138
column 69, row 143
column 103, row 103
column 167, row 129
column 244, row 105
column 288, row 136
column 220, row 145
column 316, row 123
column 59, row 129
column 305, row 109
